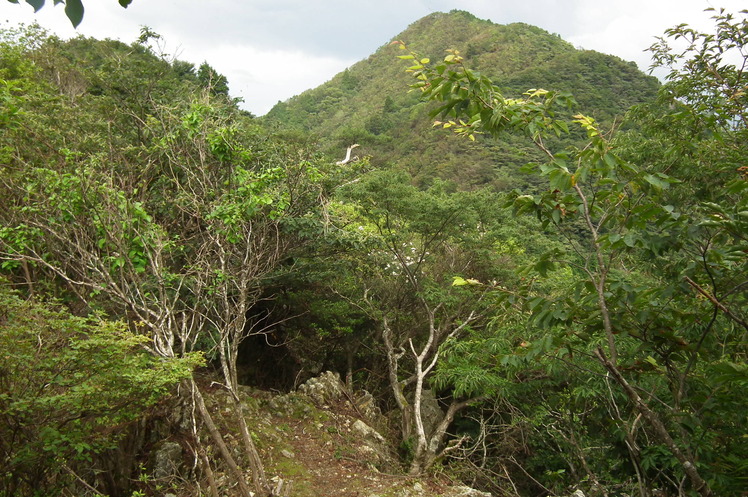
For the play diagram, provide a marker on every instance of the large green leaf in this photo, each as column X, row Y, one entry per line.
column 74, row 11
column 37, row 4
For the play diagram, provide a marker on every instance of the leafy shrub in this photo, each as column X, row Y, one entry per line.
column 68, row 387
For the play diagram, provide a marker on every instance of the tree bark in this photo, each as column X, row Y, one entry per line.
column 397, row 387
column 209, row 474
column 429, row 455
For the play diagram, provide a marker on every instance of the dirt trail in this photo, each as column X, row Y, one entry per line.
column 324, row 462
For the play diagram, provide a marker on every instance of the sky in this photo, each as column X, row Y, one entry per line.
column 271, row 50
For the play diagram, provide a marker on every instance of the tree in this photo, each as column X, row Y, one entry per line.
column 660, row 331
column 216, row 84
column 188, row 265
column 416, row 242
column 73, row 8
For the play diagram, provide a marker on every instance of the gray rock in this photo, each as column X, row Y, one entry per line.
column 367, row 405
column 373, row 448
column 287, row 454
column 368, row 433
column 167, row 460
column 465, row 491
column 431, row 413
column 290, row 404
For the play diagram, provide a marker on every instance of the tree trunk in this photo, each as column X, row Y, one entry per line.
column 424, row 459
column 218, row 440
column 209, row 474
column 255, row 464
column 421, row 452
column 397, row 387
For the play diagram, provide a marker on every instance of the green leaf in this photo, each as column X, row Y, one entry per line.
column 556, row 216
column 74, row 11
column 37, row 4
column 611, row 160
column 125, row 3
column 561, row 126
column 629, row 239
column 460, row 281
column 656, row 182
column 651, row 360
column 560, row 179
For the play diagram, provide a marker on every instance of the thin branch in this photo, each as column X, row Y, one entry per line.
column 717, row 303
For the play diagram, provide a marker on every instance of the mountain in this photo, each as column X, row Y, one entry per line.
column 370, row 103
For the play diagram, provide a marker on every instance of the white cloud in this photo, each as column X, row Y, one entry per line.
column 271, row 50
column 264, row 77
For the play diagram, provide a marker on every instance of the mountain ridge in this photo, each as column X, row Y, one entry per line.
column 370, row 103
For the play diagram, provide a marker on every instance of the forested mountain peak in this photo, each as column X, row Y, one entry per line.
column 369, row 103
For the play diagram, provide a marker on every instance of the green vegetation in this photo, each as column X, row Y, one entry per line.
column 654, row 289
column 369, row 103
column 69, row 389
column 539, row 300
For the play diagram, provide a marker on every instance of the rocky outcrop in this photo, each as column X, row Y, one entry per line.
column 367, row 406
column 372, row 446
column 328, row 388
column 322, row 437
column 464, row 491
column 324, row 389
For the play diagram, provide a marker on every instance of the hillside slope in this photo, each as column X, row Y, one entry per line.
column 370, row 103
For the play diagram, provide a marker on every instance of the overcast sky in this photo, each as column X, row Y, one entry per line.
column 271, row 50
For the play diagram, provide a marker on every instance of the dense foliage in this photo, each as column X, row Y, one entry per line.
column 69, row 387
column 656, row 288
column 161, row 203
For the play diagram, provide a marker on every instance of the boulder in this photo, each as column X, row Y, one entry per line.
column 431, row 413
column 367, row 433
column 367, row 405
column 167, row 460
column 418, row 490
column 465, row 491
column 373, row 447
